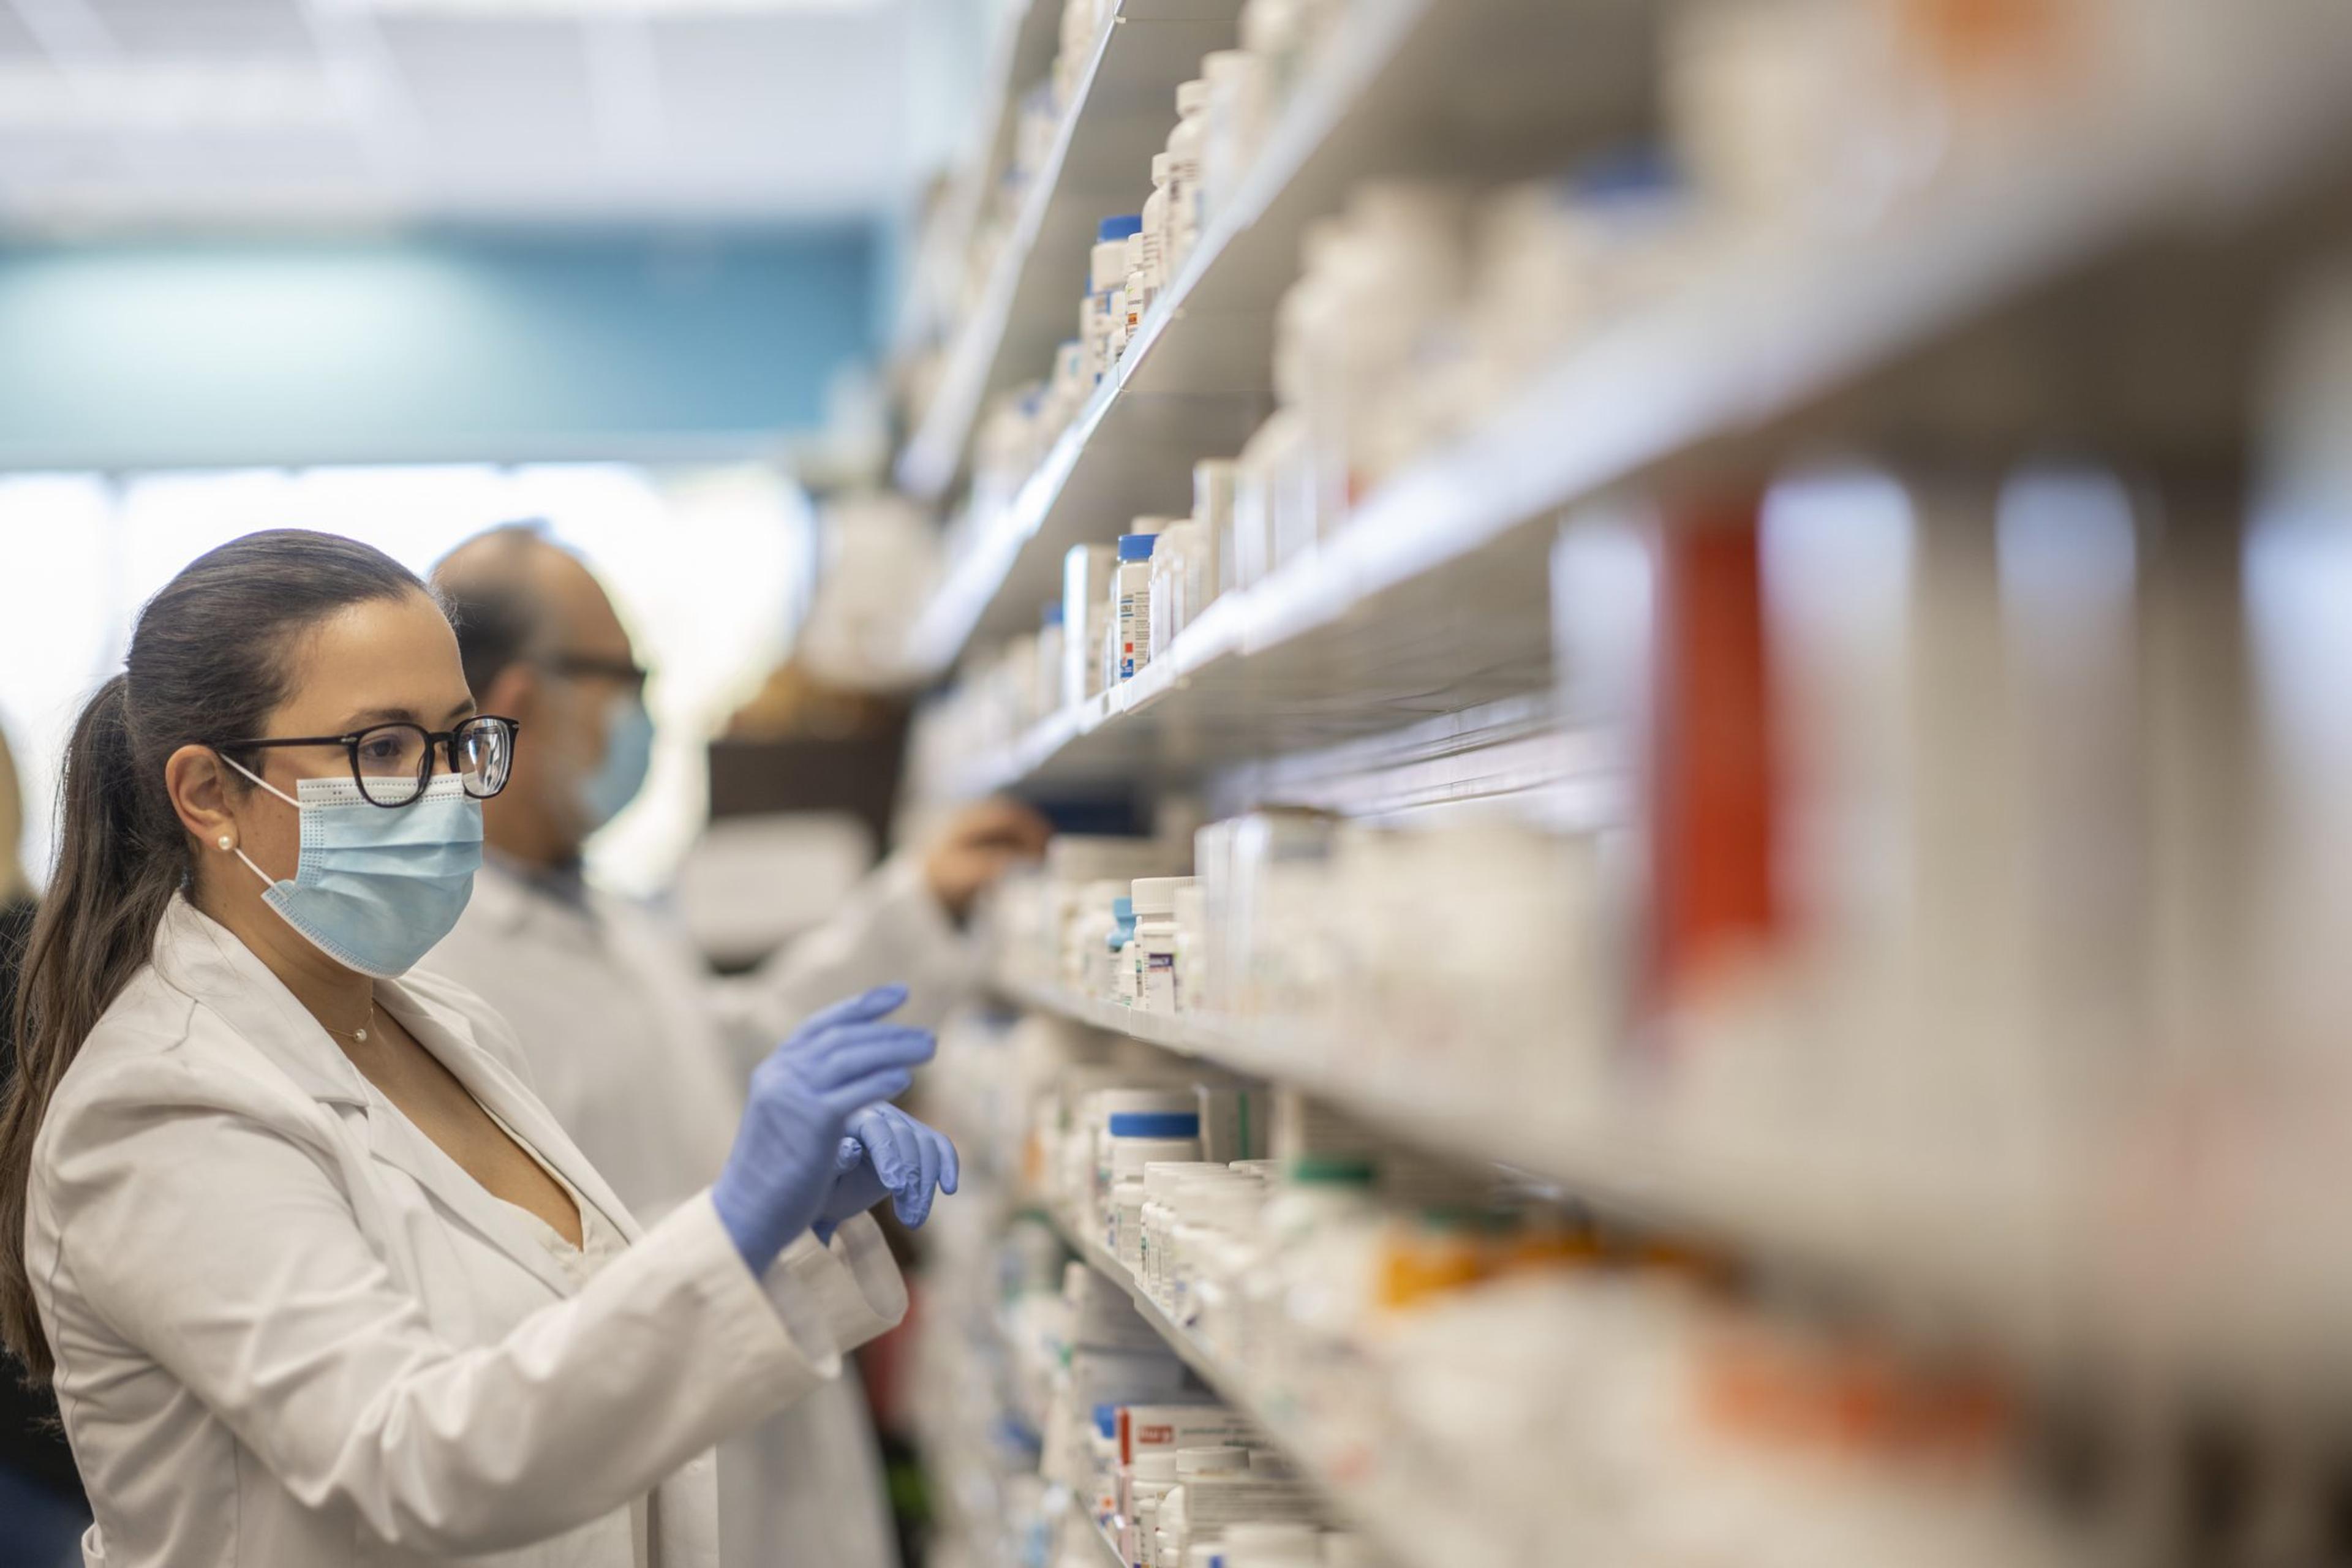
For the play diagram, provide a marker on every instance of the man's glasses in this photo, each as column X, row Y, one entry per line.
column 392, row 763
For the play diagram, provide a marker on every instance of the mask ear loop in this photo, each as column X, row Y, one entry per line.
column 266, row 880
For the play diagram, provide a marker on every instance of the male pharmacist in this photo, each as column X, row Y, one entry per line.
column 641, row 1053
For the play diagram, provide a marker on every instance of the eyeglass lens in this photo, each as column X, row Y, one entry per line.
column 395, row 762
column 485, row 755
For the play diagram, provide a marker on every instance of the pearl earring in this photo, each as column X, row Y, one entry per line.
column 226, row 842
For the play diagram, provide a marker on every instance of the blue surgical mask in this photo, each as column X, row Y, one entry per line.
column 375, row 889
column 628, row 755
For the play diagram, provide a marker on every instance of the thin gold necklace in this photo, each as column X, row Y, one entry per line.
column 357, row 1036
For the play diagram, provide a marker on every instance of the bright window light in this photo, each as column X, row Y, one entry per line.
column 708, row 568
column 611, row 7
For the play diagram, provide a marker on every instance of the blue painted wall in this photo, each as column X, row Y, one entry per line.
column 432, row 347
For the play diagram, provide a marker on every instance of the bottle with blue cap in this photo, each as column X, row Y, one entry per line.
column 1132, row 588
column 1122, row 932
column 1101, row 1108
column 1105, row 305
column 1137, row 1138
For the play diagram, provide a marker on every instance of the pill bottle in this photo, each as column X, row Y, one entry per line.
column 1184, row 146
column 1203, row 1207
column 1133, row 588
column 1080, row 21
column 1194, row 1467
column 1105, row 1107
column 1156, row 1219
column 1153, row 1477
column 1196, row 992
column 1236, row 81
column 1212, row 514
column 1276, row 32
column 1172, row 561
column 1112, row 979
column 1086, row 572
column 1152, row 953
column 1155, row 229
column 1109, row 278
column 1139, row 290
column 1152, row 1138
column 1127, row 311
column 1102, row 1455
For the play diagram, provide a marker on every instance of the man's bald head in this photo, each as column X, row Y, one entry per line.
column 541, row 645
column 517, row 595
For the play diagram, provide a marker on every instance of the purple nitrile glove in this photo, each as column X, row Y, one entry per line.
column 786, row 1162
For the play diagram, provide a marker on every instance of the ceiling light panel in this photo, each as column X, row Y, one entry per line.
column 205, row 29
column 135, row 95
column 608, row 7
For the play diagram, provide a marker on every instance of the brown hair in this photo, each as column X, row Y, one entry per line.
column 207, row 661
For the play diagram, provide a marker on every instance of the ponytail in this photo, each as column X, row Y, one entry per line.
column 117, row 870
column 206, row 661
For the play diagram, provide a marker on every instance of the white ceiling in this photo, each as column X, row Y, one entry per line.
column 142, row 114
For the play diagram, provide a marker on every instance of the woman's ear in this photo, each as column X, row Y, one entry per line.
column 197, row 781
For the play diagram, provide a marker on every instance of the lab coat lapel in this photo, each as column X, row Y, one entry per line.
column 204, row 960
column 450, row 1035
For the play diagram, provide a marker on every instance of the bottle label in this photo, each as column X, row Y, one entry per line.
column 1160, row 982
column 1134, row 633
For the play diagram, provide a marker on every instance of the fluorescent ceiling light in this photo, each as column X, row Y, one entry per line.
column 168, row 96
column 576, row 8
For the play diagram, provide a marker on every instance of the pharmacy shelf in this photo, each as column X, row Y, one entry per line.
column 1121, row 113
column 1110, row 1551
column 1021, row 52
column 1197, row 378
column 1942, row 1249
column 1806, row 330
column 1407, row 1530
column 1452, row 1118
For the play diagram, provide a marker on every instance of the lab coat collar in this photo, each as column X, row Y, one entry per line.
column 200, row 957
column 510, row 899
column 203, row 958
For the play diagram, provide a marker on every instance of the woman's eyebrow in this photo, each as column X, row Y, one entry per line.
column 380, row 716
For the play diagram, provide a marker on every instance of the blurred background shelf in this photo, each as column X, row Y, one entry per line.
column 1123, row 105
column 1019, row 51
column 1789, row 336
column 1408, row 1529
column 1967, row 1249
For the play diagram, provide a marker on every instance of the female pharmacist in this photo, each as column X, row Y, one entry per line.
column 317, row 1278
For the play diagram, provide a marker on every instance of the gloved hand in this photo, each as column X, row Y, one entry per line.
column 888, row 1154
column 910, row 1158
column 786, row 1158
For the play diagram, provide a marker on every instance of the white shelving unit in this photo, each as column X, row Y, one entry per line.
column 1777, row 327
column 1110, row 1551
column 1412, row 1531
column 1432, row 600
column 1099, row 165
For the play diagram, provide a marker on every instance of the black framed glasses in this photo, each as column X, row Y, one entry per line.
column 392, row 763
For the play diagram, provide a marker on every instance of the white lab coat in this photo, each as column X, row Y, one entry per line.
column 291, row 1332
column 643, row 1056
